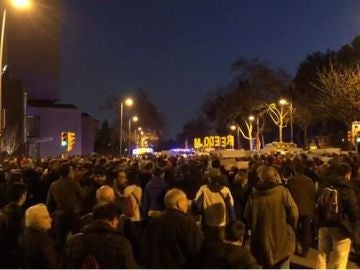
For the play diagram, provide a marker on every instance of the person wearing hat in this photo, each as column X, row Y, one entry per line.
column 215, row 204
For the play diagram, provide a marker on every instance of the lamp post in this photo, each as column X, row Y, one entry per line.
column 18, row 4
column 133, row 119
column 234, row 127
column 136, row 139
column 283, row 102
column 251, row 119
column 128, row 102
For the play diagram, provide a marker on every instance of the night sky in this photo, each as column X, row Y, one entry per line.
column 181, row 50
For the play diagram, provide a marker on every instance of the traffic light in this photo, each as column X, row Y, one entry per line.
column 64, row 139
column 71, row 141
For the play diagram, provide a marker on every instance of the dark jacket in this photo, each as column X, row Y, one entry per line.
column 221, row 255
column 171, row 240
column 349, row 204
column 37, row 250
column 302, row 189
column 106, row 244
column 89, row 199
column 272, row 215
column 64, row 195
column 14, row 226
column 154, row 195
column 14, row 215
column 3, row 245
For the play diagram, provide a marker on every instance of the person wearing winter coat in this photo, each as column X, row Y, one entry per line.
column 302, row 189
column 215, row 204
column 13, row 224
column 172, row 240
column 336, row 234
column 228, row 253
column 100, row 244
column 272, row 215
column 36, row 247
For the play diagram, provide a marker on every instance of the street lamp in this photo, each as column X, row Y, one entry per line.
column 283, row 102
column 128, row 102
column 251, row 119
column 136, row 135
column 133, row 119
column 21, row 5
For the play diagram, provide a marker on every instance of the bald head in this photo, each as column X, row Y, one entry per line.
column 105, row 194
column 176, row 199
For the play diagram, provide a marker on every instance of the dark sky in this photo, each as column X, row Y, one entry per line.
column 180, row 50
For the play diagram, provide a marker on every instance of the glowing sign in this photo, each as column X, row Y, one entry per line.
column 141, row 151
column 214, row 141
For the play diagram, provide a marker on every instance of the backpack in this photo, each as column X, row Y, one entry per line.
column 329, row 205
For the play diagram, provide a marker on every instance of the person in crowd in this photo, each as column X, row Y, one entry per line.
column 153, row 199
column 335, row 234
column 3, row 244
column 146, row 173
column 228, row 253
column 49, row 175
column 14, row 223
column 82, row 174
column 103, row 194
column 172, row 240
column 100, row 244
column 215, row 204
column 302, row 189
column 64, row 202
column 272, row 215
column 129, row 195
column 36, row 247
column 98, row 179
column 240, row 191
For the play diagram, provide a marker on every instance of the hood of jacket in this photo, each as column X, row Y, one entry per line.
column 266, row 187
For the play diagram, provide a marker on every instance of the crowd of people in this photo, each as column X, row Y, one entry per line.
column 178, row 212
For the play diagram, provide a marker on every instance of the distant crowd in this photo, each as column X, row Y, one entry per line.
column 178, row 212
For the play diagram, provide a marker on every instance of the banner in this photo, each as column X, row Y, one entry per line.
column 215, row 142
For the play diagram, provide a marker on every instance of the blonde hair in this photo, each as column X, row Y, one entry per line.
column 34, row 216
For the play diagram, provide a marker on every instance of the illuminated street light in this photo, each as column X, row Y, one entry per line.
column 20, row 5
column 283, row 102
column 234, row 127
column 139, row 128
column 251, row 118
column 128, row 102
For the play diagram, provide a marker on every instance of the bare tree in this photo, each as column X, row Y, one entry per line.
column 339, row 92
column 279, row 114
column 247, row 131
column 10, row 141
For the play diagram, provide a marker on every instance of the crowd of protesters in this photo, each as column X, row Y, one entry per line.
column 176, row 212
